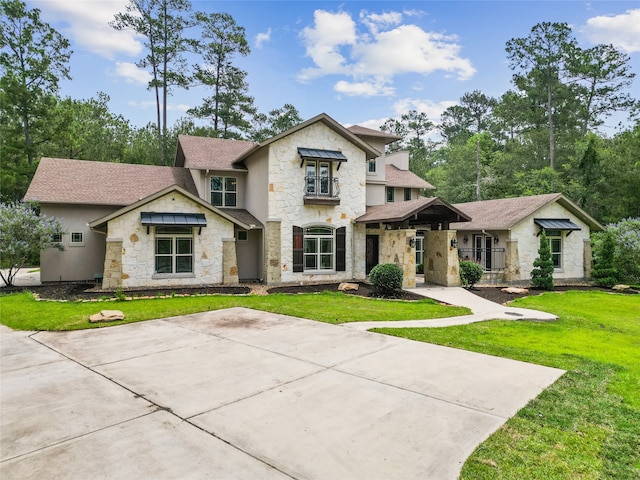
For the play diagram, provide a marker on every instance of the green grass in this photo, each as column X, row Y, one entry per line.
column 23, row 312
column 587, row 424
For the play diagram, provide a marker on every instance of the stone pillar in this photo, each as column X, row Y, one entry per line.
column 272, row 252
column 398, row 248
column 441, row 264
column 587, row 258
column 512, row 262
column 229, row 262
column 112, row 276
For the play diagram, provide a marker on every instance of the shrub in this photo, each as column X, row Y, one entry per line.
column 420, row 268
column 604, row 272
column 542, row 274
column 470, row 273
column 386, row 278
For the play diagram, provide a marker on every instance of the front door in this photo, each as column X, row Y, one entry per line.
column 483, row 245
column 373, row 252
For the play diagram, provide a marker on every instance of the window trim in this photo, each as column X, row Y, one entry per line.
column 407, row 193
column 76, row 243
column 339, row 263
column 178, row 233
column 390, row 194
column 556, row 235
column 242, row 233
column 372, row 167
column 224, row 192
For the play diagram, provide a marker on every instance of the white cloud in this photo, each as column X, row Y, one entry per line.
column 432, row 109
column 373, row 123
column 363, row 89
column 86, row 23
column 622, row 31
column 262, row 38
column 385, row 49
column 131, row 73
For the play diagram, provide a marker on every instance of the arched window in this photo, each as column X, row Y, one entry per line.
column 319, row 249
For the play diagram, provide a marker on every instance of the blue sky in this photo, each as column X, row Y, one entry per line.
column 359, row 62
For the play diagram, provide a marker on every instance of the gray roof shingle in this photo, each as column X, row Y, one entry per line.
column 205, row 153
column 60, row 180
column 404, row 178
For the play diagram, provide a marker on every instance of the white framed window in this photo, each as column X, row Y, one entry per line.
column 173, row 250
column 407, row 194
column 242, row 235
column 76, row 239
column 372, row 166
column 224, row 191
column 419, row 250
column 554, row 237
column 318, row 178
column 390, row 195
column 319, row 249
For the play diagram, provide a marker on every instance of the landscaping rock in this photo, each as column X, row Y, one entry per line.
column 515, row 290
column 106, row 316
column 621, row 288
column 343, row 287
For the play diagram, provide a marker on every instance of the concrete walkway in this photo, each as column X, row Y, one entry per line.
column 481, row 310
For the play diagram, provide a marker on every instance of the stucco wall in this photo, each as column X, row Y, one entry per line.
column 75, row 263
column 572, row 245
column 138, row 260
column 286, row 196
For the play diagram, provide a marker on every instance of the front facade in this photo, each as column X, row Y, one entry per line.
column 318, row 203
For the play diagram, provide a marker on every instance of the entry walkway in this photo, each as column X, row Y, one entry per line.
column 481, row 310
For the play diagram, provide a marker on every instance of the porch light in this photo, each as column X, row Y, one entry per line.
column 454, row 243
column 465, row 239
column 412, row 242
column 496, row 239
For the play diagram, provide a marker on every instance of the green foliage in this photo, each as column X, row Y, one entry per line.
column 23, row 234
column 627, row 251
column 604, row 271
column 386, row 278
column 542, row 273
column 420, row 268
column 470, row 273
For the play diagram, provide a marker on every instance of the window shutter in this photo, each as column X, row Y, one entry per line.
column 298, row 250
column 341, row 251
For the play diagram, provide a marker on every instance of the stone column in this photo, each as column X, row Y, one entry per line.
column 441, row 264
column 397, row 248
column 512, row 262
column 112, row 276
column 587, row 258
column 229, row 262
column 272, row 252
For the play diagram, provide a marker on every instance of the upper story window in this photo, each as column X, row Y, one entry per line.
column 224, row 191
column 390, row 195
column 407, row 194
column 372, row 166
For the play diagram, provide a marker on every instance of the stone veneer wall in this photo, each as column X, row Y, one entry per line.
column 285, row 200
column 395, row 248
column 272, row 254
column 441, row 264
column 137, row 247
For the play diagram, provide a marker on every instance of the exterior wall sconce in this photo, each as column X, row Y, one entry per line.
column 412, row 242
column 496, row 239
column 454, row 243
column 465, row 239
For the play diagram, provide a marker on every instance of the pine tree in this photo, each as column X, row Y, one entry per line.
column 542, row 274
column 604, row 271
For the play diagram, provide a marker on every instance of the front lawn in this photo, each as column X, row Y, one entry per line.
column 587, row 424
column 22, row 312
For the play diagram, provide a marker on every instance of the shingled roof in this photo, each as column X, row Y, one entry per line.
column 400, row 211
column 404, row 178
column 502, row 214
column 60, row 180
column 370, row 132
column 205, row 153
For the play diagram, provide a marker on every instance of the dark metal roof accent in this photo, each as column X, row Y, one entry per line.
column 556, row 224
column 180, row 219
column 317, row 154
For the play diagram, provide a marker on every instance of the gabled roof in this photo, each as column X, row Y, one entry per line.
column 370, row 132
column 502, row 214
column 238, row 218
column 333, row 125
column 59, row 180
column 404, row 178
column 205, row 153
column 400, row 211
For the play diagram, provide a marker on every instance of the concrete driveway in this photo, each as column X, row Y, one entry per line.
column 246, row 394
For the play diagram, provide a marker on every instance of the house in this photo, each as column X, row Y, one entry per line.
column 503, row 237
column 317, row 203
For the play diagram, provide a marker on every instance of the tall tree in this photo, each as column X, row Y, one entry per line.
column 230, row 105
column 162, row 24
column 33, row 58
column 540, row 63
column 276, row 121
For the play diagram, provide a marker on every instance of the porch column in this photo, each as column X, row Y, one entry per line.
column 587, row 255
column 441, row 264
column 272, row 252
column 229, row 262
column 512, row 262
column 112, row 276
column 399, row 247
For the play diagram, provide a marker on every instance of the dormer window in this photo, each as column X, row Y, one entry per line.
column 224, row 191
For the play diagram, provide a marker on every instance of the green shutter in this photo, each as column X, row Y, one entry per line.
column 341, row 251
column 298, row 250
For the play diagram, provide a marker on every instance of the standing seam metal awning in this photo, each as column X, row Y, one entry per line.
column 556, row 224
column 178, row 219
column 317, row 154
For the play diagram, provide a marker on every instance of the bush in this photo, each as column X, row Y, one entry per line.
column 604, row 272
column 386, row 278
column 470, row 273
column 420, row 268
column 627, row 257
column 542, row 274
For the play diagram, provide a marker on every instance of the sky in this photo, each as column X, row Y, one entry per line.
column 359, row 62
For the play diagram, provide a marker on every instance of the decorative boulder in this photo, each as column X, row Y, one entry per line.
column 106, row 316
column 621, row 288
column 515, row 290
column 343, row 287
